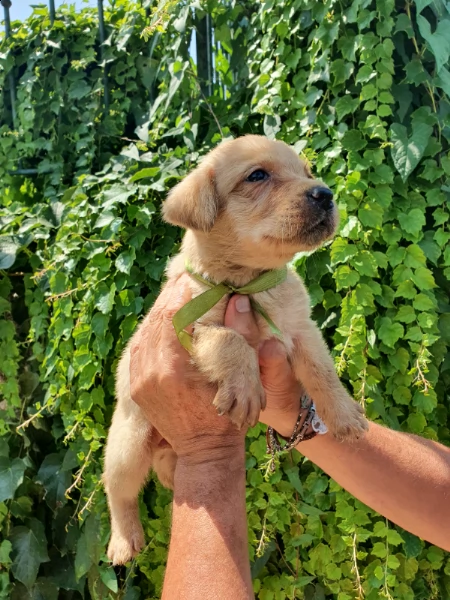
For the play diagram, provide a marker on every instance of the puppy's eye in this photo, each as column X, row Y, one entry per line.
column 258, row 175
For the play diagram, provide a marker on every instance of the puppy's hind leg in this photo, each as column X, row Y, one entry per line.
column 127, row 463
column 128, row 458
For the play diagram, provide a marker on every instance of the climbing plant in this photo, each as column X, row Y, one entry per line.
column 361, row 89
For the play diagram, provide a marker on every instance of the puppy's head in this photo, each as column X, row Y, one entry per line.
column 259, row 194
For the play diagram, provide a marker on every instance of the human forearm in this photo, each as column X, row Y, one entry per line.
column 208, row 556
column 403, row 477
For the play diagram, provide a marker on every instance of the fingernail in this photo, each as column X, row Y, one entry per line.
column 243, row 304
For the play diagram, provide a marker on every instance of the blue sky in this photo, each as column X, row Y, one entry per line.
column 21, row 9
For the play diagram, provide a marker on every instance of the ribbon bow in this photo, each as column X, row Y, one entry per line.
column 200, row 305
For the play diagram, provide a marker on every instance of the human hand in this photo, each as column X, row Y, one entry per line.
column 283, row 392
column 172, row 393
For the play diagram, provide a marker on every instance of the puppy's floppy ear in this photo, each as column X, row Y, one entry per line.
column 193, row 203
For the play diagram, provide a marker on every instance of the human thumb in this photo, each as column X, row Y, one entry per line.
column 239, row 317
column 276, row 372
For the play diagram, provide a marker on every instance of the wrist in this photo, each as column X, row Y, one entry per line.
column 307, row 425
column 284, row 424
column 202, row 476
column 211, row 450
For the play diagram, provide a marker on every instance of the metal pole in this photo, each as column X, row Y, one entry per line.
column 12, row 87
column 209, row 53
column 52, row 11
column 102, row 53
column 26, row 172
column 12, row 84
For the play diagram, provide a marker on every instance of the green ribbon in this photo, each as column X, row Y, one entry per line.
column 200, row 305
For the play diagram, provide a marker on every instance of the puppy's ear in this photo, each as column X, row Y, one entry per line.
column 193, row 203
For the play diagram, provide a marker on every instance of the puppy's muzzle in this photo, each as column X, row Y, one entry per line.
column 321, row 197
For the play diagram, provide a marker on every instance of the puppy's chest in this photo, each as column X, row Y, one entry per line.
column 287, row 306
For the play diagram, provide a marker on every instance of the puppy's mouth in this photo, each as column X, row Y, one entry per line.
column 317, row 228
column 323, row 222
column 306, row 232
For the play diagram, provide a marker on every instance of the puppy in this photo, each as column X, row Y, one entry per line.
column 249, row 207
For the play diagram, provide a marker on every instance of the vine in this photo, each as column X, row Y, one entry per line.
column 361, row 89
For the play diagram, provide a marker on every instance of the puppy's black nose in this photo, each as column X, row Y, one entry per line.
column 321, row 196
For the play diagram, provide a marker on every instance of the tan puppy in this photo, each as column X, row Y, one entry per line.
column 249, row 207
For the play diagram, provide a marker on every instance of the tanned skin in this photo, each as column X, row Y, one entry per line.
column 404, row 477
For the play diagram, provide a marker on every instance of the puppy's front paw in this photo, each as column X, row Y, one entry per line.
column 348, row 421
column 242, row 398
column 122, row 548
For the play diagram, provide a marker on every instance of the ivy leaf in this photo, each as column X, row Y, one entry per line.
column 416, row 423
column 371, row 215
column 341, row 251
column 425, row 402
column 406, row 314
column 125, row 261
column 402, row 395
column 79, row 89
column 444, row 327
column 394, row 538
column 424, row 303
column 400, row 360
column 105, row 297
column 54, row 479
column 104, row 219
column 145, row 173
column 443, row 80
column 83, row 561
column 108, row 576
column 11, row 476
column 423, row 278
column 29, row 548
column 438, row 41
column 406, row 152
column 261, row 561
column 415, row 257
column 303, row 581
column 353, row 140
column 412, row 544
column 379, row 549
column 421, row 4
column 406, row 290
column 5, row 551
column 8, row 250
column 413, row 221
column 272, row 125
column 346, row 106
column 43, row 589
column 117, row 194
column 389, row 332
column 365, row 263
column 345, row 277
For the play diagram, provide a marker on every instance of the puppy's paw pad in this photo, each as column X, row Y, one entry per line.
column 123, row 549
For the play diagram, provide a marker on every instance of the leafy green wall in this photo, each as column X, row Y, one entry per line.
column 362, row 88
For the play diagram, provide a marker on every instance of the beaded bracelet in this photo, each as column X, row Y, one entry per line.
column 300, row 433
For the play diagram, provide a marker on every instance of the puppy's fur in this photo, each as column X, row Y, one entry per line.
column 236, row 229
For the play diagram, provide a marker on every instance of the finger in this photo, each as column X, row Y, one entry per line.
column 239, row 317
column 272, row 353
column 275, row 368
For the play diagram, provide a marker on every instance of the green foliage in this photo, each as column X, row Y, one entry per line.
column 362, row 90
